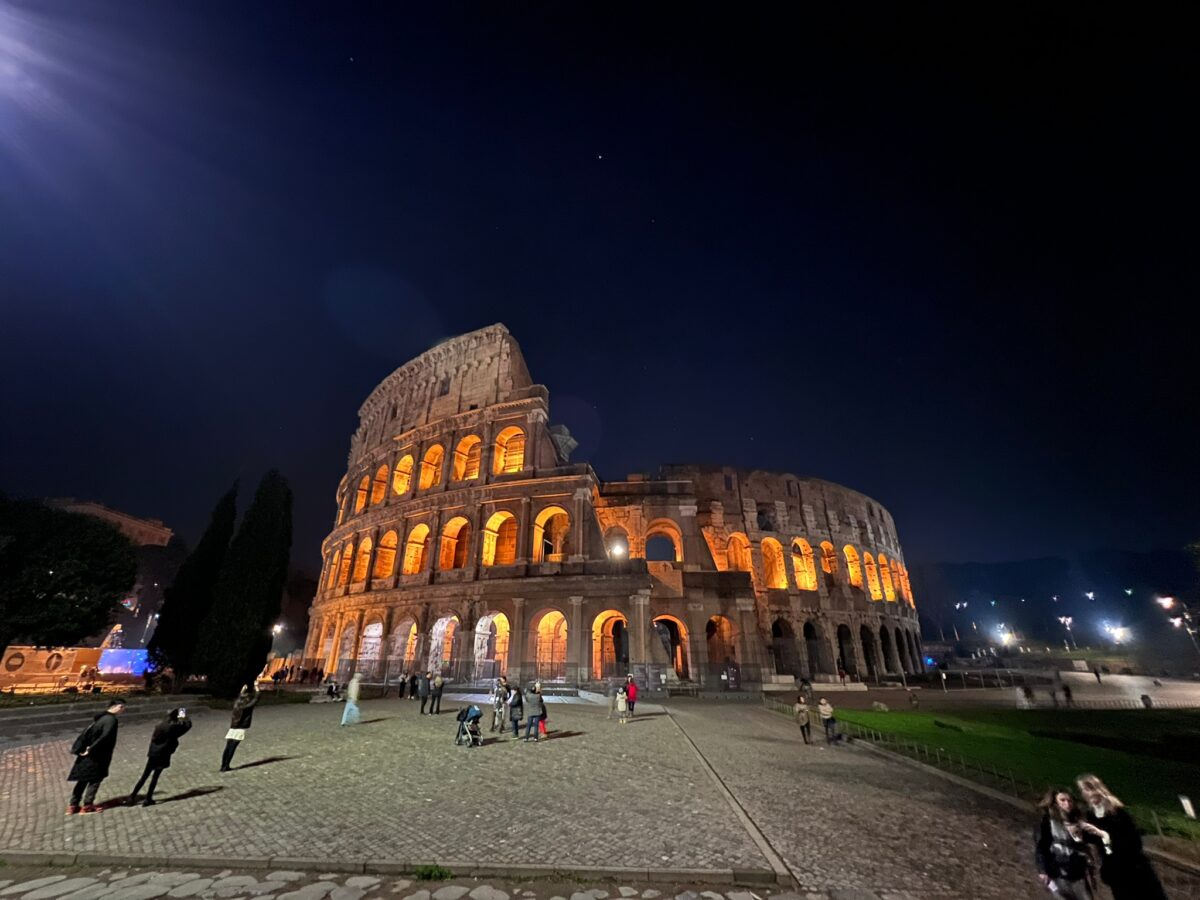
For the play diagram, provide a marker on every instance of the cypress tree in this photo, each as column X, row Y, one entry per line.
column 236, row 636
column 187, row 602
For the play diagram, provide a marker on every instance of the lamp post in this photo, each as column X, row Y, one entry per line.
column 1185, row 618
column 1066, row 623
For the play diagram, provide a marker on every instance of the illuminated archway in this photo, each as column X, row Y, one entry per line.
column 362, row 561
column 721, row 646
column 509, row 454
column 385, row 555
column 404, row 644
column 885, row 576
column 803, row 566
column 443, row 646
column 550, row 646
column 774, row 573
column 659, row 533
column 344, row 567
column 345, row 654
column 402, row 475
column 379, row 486
column 737, row 553
column 853, row 566
column 456, row 540
column 610, row 645
column 551, row 535
column 672, row 634
column 371, row 644
column 466, row 459
column 334, row 559
column 500, row 540
column 360, row 496
column 616, row 543
column 414, row 549
column 829, row 560
column 431, row 467
column 872, row 577
column 491, row 646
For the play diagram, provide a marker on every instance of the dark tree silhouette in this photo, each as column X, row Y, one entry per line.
column 236, row 636
column 62, row 574
column 187, row 602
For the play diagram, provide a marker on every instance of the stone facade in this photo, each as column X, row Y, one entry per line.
column 466, row 542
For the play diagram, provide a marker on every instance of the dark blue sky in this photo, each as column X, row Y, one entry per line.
column 949, row 262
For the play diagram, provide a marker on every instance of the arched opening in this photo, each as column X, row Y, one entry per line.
column 509, row 455
column 803, row 565
column 334, row 559
column 813, row 640
column 610, row 645
column 551, row 535
column 500, row 540
column 885, row 577
column 846, row 657
column 853, row 566
column 829, row 560
column 783, row 649
column 887, row 650
column 718, row 636
column 344, row 566
column 867, row 638
column 466, row 459
column 456, row 540
column 443, row 647
column 361, row 562
column 872, row 577
column 918, row 655
column 550, row 647
column 672, row 637
column 905, row 660
column 491, row 646
column 773, row 570
column 360, row 496
column 414, row 550
column 379, row 486
column 369, row 650
column 345, row 656
column 402, row 475
column 664, row 541
column 404, row 645
column 616, row 543
column 431, row 467
column 737, row 553
column 327, row 636
column 385, row 556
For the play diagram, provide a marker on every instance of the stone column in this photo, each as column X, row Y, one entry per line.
column 371, row 558
column 524, row 533
column 358, row 636
column 693, row 541
column 752, row 662
column 338, row 628
column 639, row 645
column 579, row 526
column 575, row 665
column 697, row 641
column 516, row 642
column 390, row 495
column 487, row 453
column 535, row 438
column 385, row 645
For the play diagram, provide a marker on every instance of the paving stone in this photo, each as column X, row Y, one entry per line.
column 91, row 892
column 147, row 891
column 286, row 875
column 33, row 885
column 59, row 888
column 450, row 892
column 265, row 887
column 174, row 878
column 313, row 891
column 651, row 893
column 419, row 895
column 712, row 895
column 400, row 884
column 487, row 892
column 687, row 895
column 628, row 891
column 348, row 893
column 191, row 888
column 5, row 882
column 362, row 881
column 233, row 881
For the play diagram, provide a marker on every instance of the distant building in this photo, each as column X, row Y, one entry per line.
column 143, row 532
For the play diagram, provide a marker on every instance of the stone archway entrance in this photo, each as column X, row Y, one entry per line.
column 888, row 652
column 550, row 647
column 672, row 637
column 813, row 641
column 905, row 664
column 403, row 649
column 345, row 655
column 867, row 638
column 610, row 645
column 370, row 652
column 783, row 649
column 846, row 656
column 491, row 647
column 444, row 648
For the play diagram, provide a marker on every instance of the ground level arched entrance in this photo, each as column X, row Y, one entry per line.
column 444, row 656
column 491, row 646
column 672, row 637
column 867, row 638
column 550, row 647
column 610, row 645
column 783, row 649
column 847, row 658
column 813, row 641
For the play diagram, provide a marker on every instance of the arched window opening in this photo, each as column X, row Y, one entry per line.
column 402, row 475
column 718, row 636
column 344, row 568
column 885, row 577
column 385, row 555
column 500, row 540
column 379, row 486
column 773, row 566
column 404, row 644
column 610, row 645
column 660, row 548
column 370, row 645
column 551, row 535
column 664, row 541
column 431, row 467
column 456, row 538
column 853, row 566
column 866, row 638
column 891, row 661
column 551, row 647
column 509, row 455
column 443, row 646
column 491, row 646
column 333, row 570
column 360, row 496
column 829, row 560
column 737, row 553
column 872, row 577
column 616, row 543
column 803, row 565
column 466, row 459
column 847, row 658
column 414, row 550
column 818, row 655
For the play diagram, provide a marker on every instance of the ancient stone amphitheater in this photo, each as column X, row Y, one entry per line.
column 466, row 541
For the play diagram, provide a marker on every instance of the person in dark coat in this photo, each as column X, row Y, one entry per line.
column 1124, row 867
column 435, row 695
column 424, row 686
column 401, row 685
column 412, row 686
column 243, row 715
column 163, row 744
column 1059, row 848
column 93, row 752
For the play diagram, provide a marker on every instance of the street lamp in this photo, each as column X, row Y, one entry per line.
column 1184, row 619
column 276, row 629
column 1066, row 623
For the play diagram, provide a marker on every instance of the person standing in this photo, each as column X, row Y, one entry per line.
column 413, row 681
column 1096, row 672
column 1124, row 867
column 499, row 696
column 536, row 710
column 631, row 693
column 239, row 722
column 825, row 711
column 1059, row 848
column 1068, row 699
column 435, row 694
column 622, row 704
column 423, row 687
column 516, row 709
column 163, row 744
column 351, row 715
column 93, row 751
column 803, row 719
column 841, row 674
column 403, row 683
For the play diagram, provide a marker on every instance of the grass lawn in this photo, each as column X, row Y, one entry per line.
column 1147, row 757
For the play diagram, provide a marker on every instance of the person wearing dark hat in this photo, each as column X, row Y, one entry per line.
column 93, row 752
column 163, row 744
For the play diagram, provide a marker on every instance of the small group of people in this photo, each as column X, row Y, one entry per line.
column 93, row 750
column 803, row 717
column 510, row 704
column 623, row 701
column 1067, row 842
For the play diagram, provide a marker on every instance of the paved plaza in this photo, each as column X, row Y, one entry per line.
column 596, row 795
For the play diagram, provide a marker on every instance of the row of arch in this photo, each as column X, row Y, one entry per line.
column 889, row 651
column 508, row 456
column 885, row 579
column 352, row 564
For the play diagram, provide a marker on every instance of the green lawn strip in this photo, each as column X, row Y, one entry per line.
column 996, row 738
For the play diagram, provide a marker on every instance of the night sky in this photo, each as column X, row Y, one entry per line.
column 948, row 262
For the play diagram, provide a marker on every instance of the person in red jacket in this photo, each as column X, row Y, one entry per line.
column 631, row 691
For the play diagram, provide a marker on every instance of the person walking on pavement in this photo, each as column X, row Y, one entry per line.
column 351, row 715
column 1059, row 848
column 536, row 709
column 825, row 711
column 93, row 751
column 423, row 688
column 1067, row 698
column 516, row 709
column 803, row 719
column 239, row 722
column 413, row 682
column 435, row 694
column 1124, row 867
column 163, row 744
column 631, row 692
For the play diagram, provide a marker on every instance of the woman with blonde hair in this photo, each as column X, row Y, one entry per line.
column 1124, row 868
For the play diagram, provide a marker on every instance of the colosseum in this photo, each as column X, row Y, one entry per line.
column 466, row 541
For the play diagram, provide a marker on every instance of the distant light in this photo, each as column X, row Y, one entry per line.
column 1166, row 602
column 1091, row 595
column 617, row 550
column 277, row 628
column 1177, row 621
column 1128, row 592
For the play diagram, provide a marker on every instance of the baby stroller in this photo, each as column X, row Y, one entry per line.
column 469, row 733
